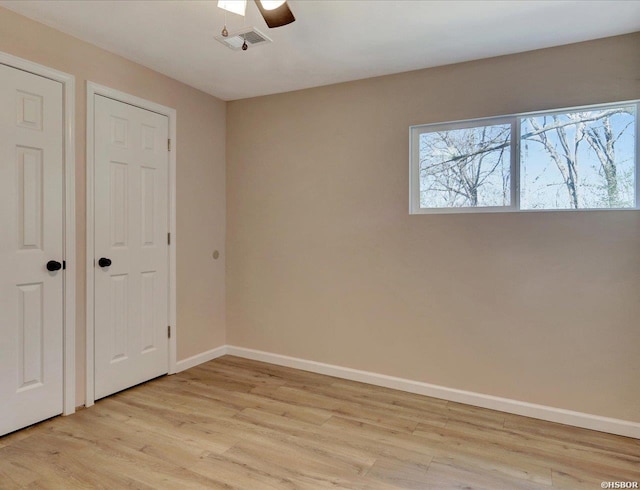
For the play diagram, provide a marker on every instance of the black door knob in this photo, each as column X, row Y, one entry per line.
column 104, row 262
column 54, row 265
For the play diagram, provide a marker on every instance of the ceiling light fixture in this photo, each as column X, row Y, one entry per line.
column 271, row 4
column 276, row 13
column 234, row 6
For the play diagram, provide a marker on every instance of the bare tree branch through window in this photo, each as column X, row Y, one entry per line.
column 583, row 159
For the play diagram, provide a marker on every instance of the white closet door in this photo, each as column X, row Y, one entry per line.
column 31, row 235
column 131, row 251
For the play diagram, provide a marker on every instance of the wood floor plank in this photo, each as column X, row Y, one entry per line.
column 308, row 438
column 457, row 412
column 401, row 416
column 236, row 424
column 309, row 399
column 450, row 474
column 399, row 474
column 539, row 448
column 229, row 473
column 301, row 472
column 478, row 454
column 560, row 433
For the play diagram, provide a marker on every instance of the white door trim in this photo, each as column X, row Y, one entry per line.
column 92, row 90
column 69, row 327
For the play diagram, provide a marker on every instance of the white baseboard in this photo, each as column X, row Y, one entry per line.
column 543, row 412
column 551, row 414
column 193, row 361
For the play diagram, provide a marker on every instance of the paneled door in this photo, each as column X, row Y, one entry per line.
column 131, row 251
column 31, row 249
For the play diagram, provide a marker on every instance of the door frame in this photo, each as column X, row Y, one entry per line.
column 94, row 89
column 69, row 219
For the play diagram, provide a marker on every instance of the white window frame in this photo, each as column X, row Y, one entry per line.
column 515, row 120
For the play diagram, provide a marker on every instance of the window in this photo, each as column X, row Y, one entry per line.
column 583, row 158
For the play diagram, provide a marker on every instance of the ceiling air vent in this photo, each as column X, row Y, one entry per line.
column 251, row 35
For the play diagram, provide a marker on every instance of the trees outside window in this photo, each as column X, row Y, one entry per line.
column 466, row 167
column 577, row 159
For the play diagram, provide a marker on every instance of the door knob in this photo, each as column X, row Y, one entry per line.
column 53, row 265
column 104, row 262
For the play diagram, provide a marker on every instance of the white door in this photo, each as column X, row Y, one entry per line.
column 131, row 251
column 31, row 234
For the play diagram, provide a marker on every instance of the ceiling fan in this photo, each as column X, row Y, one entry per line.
column 276, row 13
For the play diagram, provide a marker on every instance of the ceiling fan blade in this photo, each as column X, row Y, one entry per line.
column 277, row 17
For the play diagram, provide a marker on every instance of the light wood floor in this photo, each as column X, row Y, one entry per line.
column 239, row 424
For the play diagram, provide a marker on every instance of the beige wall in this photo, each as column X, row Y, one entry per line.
column 200, row 174
column 325, row 263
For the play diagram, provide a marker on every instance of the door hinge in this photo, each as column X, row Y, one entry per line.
column 169, row 144
column 169, row 332
column 168, row 238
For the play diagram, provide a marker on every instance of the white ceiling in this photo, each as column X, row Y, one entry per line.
column 331, row 41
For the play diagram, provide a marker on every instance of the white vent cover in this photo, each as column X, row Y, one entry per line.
column 251, row 35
